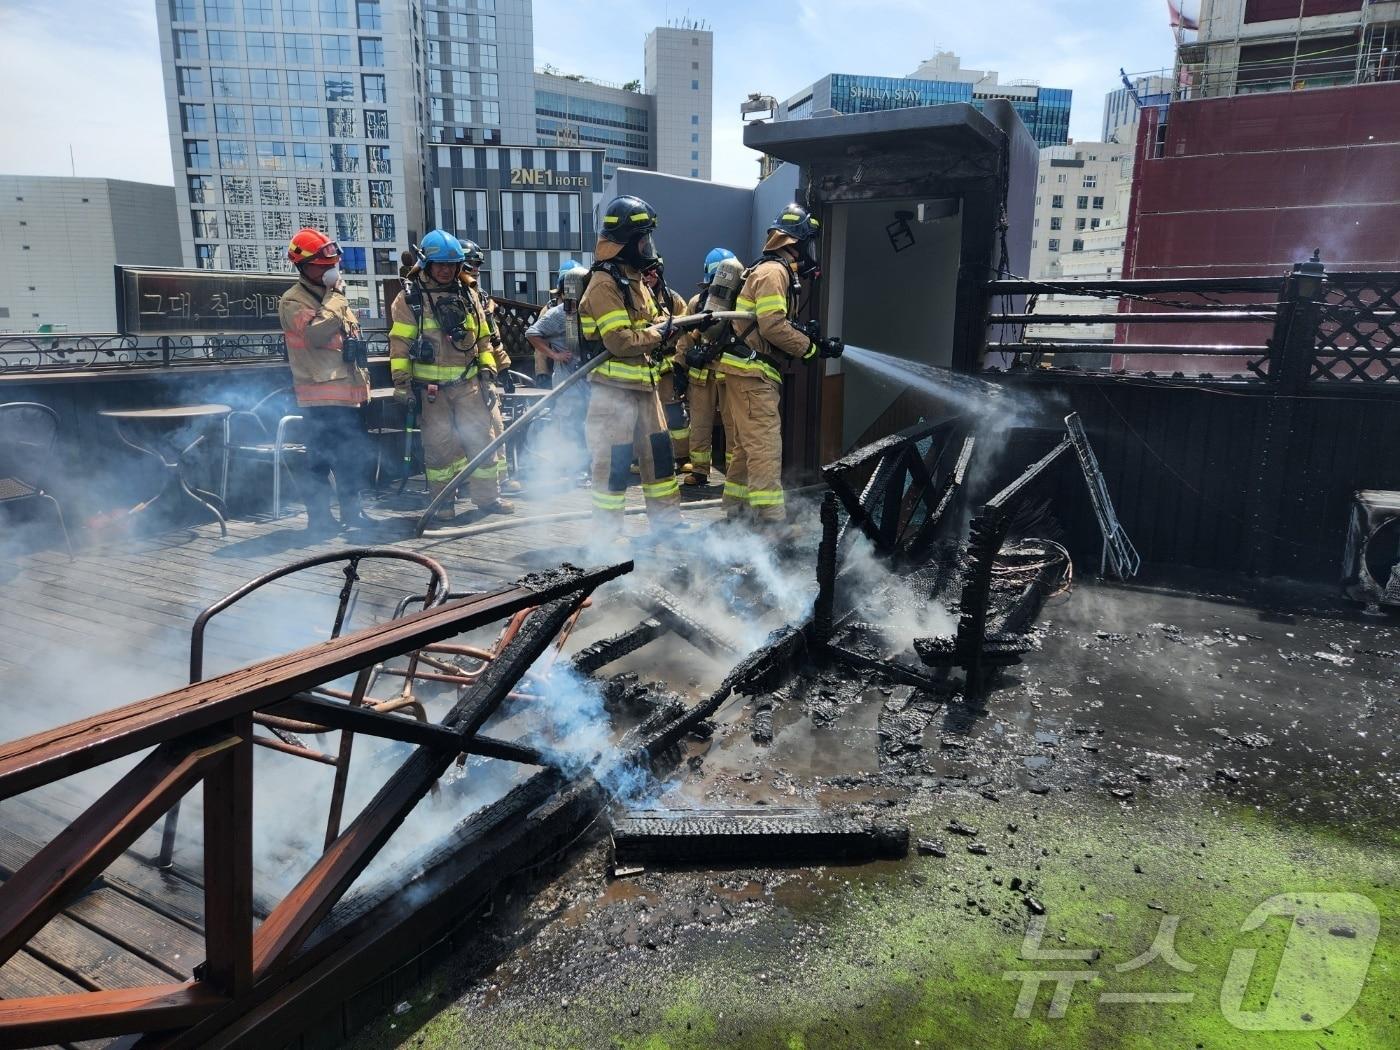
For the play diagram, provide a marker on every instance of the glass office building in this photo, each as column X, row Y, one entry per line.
column 1045, row 111
column 292, row 113
column 581, row 113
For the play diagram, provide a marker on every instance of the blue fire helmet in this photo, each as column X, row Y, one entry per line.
column 439, row 246
column 564, row 267
column 712, row 261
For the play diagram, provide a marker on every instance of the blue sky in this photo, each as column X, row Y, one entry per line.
column 86, row 73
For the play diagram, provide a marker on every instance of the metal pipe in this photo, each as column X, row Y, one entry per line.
column 273, row 744
column 1129, row 349
column 1159, row 317
column 1140, row 286
column 489, row 451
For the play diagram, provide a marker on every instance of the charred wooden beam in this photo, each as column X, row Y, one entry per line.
column 985, row 537
column 335, row 715
column 998, row 650
column 889, row 668
column 669, row 610
column 777, row 837
column 1030, row 474
column 605, row 651
column 506, row 750
column 823, row 608
column 69, row 749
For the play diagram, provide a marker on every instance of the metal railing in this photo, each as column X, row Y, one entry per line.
column 1304, row 327
column 86, row 353
column 45, row 353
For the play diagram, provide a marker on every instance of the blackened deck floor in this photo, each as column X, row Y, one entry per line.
column 112, row 625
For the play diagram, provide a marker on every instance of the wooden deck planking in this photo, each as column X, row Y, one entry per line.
column 132, row 604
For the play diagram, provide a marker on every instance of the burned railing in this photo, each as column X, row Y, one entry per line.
column 203, row 734
column 907, row 483
column 1309, row 326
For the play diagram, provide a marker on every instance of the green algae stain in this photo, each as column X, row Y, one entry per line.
column 893, row 955
column 910, row 965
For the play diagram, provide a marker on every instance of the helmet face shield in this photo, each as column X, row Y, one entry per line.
column 645, row 248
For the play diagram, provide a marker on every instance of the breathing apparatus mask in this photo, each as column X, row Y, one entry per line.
column 640, row 252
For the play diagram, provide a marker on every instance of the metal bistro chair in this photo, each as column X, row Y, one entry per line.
column 27, row 434
column 250, row 434
column 281, row 732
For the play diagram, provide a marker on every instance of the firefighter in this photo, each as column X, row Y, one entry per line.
column 617, row 313
column 440, row 352
column 330, row 378
column 753, row 367
column 671, row 380
column 698, row 351
column 471, row 280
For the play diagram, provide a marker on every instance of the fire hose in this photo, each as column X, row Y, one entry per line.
column 534, row 411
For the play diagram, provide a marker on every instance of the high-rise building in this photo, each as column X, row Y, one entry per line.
column 1077, row 243
column 575, row 111
column 1121, row 107
column 680, row 77
column 662, row 123
column 291, row 113
column 60, row 238
column 480, row 72
column 939, row 80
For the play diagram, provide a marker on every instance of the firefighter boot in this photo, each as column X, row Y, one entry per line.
column 320, row 523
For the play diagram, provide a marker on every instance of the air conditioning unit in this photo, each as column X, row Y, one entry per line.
column 1371, row 564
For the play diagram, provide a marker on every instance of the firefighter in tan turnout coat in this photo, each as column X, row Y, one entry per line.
column 440, row 352
column 330, row 380
column 624, row 414
column 753, row 370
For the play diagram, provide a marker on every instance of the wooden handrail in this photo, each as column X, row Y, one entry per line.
column 93, row 1015
column 56, row 753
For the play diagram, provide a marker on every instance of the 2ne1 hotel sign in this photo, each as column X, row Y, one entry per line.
column 545, row 177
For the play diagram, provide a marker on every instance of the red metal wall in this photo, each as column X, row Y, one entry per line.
column 1249, row 185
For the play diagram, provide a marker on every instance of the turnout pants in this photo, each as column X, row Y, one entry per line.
column 704, row 406
column 456, row 426
column 673, row 409
column 754, row 435
column 625, row 424
column 336, row 445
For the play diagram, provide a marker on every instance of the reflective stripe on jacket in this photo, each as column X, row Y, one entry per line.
column 451, row 361
column 315, row 322
column 604, row 316
column 767, row 292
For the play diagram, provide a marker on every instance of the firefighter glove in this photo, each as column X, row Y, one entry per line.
column 700, row 354
column 680, row 379
column 662, row 329
column 833, row 346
